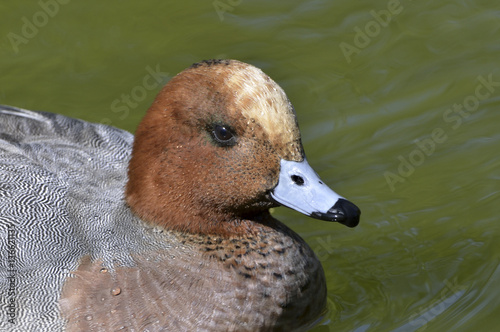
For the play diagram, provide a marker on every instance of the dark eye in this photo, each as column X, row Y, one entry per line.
column 223, row 135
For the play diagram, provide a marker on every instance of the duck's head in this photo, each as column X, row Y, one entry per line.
column 219, row 145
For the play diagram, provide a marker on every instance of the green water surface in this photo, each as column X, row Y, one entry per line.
column 396, row 102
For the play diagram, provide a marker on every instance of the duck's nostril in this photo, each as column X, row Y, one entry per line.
column 297, row 179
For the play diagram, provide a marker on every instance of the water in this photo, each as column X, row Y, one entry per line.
column 396, row 103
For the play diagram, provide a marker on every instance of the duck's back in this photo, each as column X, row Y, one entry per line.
column 61, row 191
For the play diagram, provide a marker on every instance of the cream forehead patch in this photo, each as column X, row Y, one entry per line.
column 259, row 98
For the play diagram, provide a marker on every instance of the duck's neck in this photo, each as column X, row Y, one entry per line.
column 254, row 233
column 160, row 207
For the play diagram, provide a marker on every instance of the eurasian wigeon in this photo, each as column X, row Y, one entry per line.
column 184, row 240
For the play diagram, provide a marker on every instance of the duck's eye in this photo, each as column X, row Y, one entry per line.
column 223, row 135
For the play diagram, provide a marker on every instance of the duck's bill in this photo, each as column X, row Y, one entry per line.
column 301, row 189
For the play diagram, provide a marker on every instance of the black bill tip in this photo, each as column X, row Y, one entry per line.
column 343, row 212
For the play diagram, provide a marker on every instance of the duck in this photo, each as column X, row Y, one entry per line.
column 170, row 229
